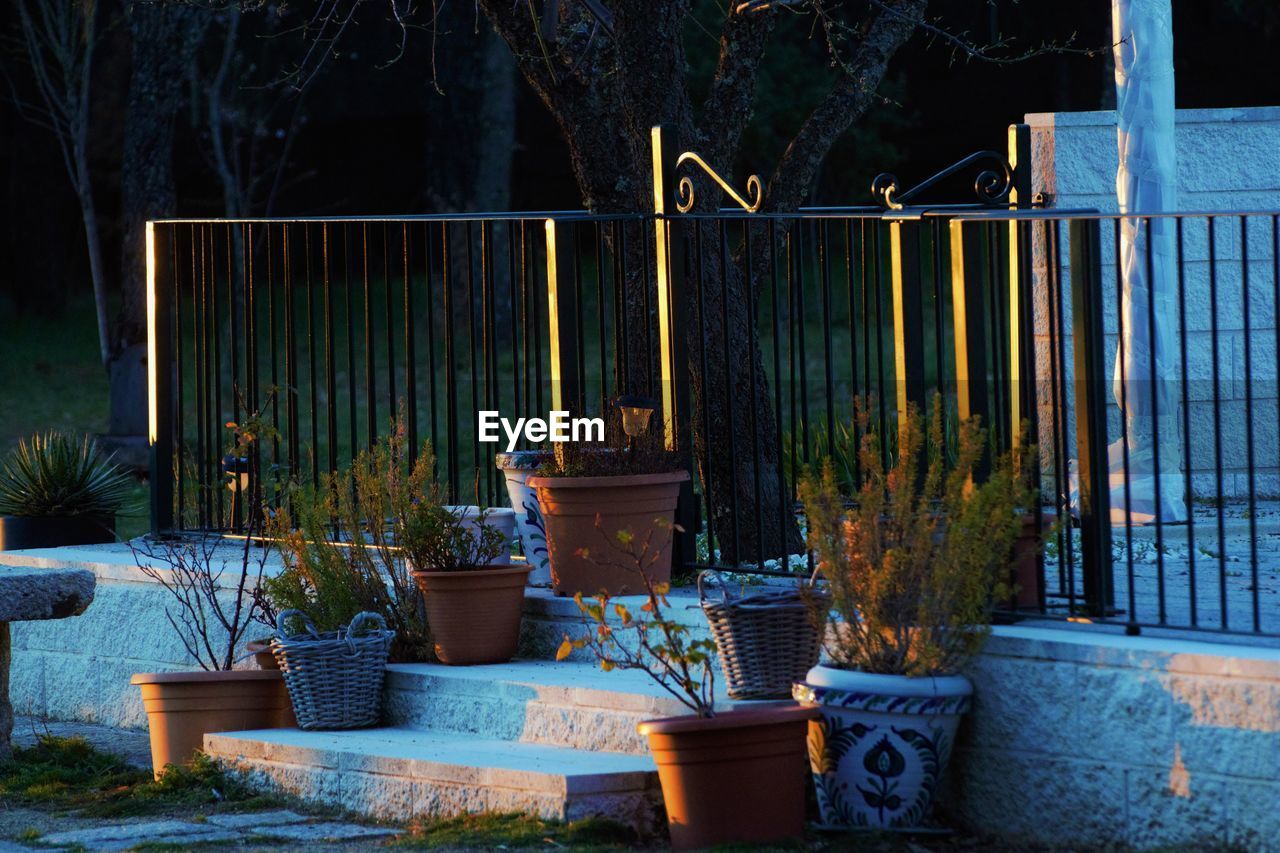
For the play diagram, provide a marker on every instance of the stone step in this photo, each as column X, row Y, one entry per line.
column 568, row 704
column 402, row 773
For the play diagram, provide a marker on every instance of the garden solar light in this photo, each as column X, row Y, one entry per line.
column 236, row 471
column 636, row 411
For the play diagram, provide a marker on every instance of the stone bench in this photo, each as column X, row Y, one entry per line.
column 32, row 593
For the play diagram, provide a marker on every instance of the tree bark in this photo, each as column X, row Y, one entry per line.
column 165, row 38
column 605, row 93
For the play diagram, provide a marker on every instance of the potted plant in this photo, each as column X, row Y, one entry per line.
column 341, row 556
column 731, row 777
column 216, row 586
column 517, row 467
column 914, row 567
column 473, row 605
column 632, row 487
column 55, row 490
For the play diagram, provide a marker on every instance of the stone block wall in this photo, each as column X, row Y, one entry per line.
column 1228, row 159
column 1080, row 737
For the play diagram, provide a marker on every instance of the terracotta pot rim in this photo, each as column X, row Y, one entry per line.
column 631, row 480
column 204, row 676
column 736, row 719
column 488, row 570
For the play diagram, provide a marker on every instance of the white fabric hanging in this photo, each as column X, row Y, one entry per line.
column 1146, row 183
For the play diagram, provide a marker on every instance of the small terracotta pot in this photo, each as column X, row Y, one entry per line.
column 184, row 706
column 631, row 501
column 1026, row 549
column 262, row 655
column 736, row 777
column 474, row 616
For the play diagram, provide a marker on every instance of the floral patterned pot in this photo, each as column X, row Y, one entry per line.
column 880, row 749
column 517, row 468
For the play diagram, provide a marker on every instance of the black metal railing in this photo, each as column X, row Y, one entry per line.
column 757, row 332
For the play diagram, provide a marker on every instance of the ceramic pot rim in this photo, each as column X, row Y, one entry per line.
column 205, row 676
column 777, row 714
column 490, row 569
column 615, row 480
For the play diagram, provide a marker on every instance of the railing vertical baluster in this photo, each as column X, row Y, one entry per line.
column 1217, row 417
column 312, row 382
column 968, row 333
column 1121, row 362
column 783, row 497
column 1248, row 425
column 908, row 318
column 1186, row 422
column 562, row 315
column 824, row 272
column 751, row 331
column 388, row 305
column 428, row 243
column 450, row 361
column 730, row 426
column 1091, row 419
column 410, row 346
column 160, row 354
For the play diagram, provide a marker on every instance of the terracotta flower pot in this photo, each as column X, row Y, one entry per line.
column 632, row 502
column 736, row 777
column 262, row 654
column 183, row 706
column 1026, row 548
column 880, row 749
column 474, row 616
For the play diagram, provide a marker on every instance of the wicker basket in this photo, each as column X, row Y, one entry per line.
column 767, row 640
column 334, row 678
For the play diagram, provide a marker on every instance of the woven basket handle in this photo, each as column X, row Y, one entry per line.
column 709, row 575
column 283, row 617
column 362, row 621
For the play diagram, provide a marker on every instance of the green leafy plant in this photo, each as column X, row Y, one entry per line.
column 56, row 475
column 648, row 641
column 341, row 556
column 915, row 565
column 442, row 539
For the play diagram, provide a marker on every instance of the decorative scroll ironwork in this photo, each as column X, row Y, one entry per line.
column 755, row 190
column 991, row 186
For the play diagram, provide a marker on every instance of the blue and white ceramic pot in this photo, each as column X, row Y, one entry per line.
column 879, row 751
column 518, row 467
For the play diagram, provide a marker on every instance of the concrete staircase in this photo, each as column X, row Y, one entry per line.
column 554, row 739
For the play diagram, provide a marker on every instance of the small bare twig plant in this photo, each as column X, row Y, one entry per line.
column 217, row 596
column 659, row 646
column 918, row 561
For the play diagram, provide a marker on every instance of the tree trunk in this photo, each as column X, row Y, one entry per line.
column 165, row 38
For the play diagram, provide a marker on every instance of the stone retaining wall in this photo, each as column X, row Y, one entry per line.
column 1077, row 736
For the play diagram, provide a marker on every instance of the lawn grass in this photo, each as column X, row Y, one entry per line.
column 493, row 830
column 68, row 774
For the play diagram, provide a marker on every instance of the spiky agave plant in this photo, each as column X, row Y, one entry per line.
column 56, row 475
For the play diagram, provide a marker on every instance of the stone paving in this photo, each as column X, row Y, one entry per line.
column 249, row 828
column 280, row 829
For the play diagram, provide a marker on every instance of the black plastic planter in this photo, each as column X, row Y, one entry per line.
column 20, row 532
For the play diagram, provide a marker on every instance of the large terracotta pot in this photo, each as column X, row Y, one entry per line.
column 517, row 467
column 474, row 616
column 736, row 777
column 184, row 706
column 18, row 533
column 880, row 748
column 632, row 502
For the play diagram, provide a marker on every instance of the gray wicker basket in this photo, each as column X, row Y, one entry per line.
column 334, row 678
column 766, row 640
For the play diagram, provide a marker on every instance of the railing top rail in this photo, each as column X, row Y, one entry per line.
column 1049, row 214
column 517, row 216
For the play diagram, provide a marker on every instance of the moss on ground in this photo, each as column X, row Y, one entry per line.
column 491, row 830
column 68, row 774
